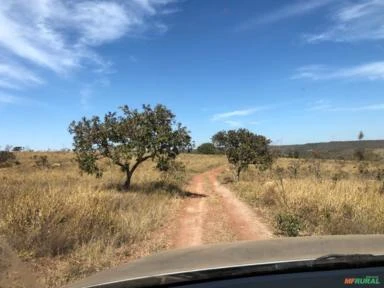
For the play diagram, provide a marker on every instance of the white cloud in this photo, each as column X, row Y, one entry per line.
column 233, row 123
column 292, row 10
column 60, row 35
column 13, row 76
column 320, row 105
column 373, row 107
column 8, row 85
column 230, row 114
column 133, row 58
column 325, row 106
column 367, row 71
column 85, row 96
column 353, row 21
column 8, row 99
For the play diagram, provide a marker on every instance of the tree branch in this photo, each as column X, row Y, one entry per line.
column 119, row 163
column 138, row 162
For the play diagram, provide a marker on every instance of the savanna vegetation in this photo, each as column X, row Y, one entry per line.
column 129, row 139
column 315, row 196
column 207, row 148
column 65, row 225
column 243, row 148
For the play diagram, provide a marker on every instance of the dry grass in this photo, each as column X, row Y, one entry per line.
column 66, row 226
column 317, row 196
column 198, row 163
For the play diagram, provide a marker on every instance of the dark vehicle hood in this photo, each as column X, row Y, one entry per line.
column 237, row 254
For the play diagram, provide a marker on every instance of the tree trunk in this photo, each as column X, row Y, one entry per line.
column 129, row 172
column 127, row 183
column 238, row 174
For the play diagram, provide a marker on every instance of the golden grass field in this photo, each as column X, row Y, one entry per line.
column 60, row 225
column 314, row 197
column 64, row 225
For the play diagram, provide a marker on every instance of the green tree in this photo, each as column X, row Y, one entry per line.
column 360, row 151
column 17, row 149
column 206, row 148
column 360, row 136
column 129, row 139
column 244, row 148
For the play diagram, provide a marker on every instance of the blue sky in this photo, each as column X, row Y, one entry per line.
column 295, row 71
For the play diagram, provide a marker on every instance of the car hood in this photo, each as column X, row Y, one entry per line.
column 226, row 255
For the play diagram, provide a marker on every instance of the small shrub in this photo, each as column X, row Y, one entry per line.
column 359, row 155
column 294, row 169
column 315, row 169
column 381, row 189
column 6, row 156
column 288, row 224
column 339, row 175
column 7, row 159
column 270, row 195
column 363, row 169
column 174, row 174
column 379, row 174
column 41, row 161
column 206, row 148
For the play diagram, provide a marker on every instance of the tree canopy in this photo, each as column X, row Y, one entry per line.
column 244, row 148
column 129, row 139
column 206, row 148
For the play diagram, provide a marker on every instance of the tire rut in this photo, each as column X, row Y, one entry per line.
column 214, row 214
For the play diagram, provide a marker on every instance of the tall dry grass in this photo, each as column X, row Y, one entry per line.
column 305, row 197
column 66, row 226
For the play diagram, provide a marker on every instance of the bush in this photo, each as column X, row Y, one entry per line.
column 41, row 161
column 294, row 169
column 206, row 148
column 6, row 156
column 381, row 189
column 7, row 159
column 270, row 196
column 174, row 174
column 288, row 224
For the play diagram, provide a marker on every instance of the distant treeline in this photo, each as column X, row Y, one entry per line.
column 332, row 150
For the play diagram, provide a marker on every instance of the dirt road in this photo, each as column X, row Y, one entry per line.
column 214, row 214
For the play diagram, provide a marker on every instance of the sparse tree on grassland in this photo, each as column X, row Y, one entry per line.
column 244, row 148
column 360, row 136
column 360, row 151
column 129, row 140
column 206, row 148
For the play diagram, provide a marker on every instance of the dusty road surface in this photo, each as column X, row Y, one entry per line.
column 214, row 214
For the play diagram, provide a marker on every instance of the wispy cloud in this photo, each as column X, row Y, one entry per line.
column 373, row 107
column 326, row 106
column 292, row 10
column 13, row 76
column 61, row 36
column 87, row 91
column 245, row 112
column 85, row 96
column 353, row 21
column 320, row 105
column 367, row 71
column 7, row 99
column 233, row 123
